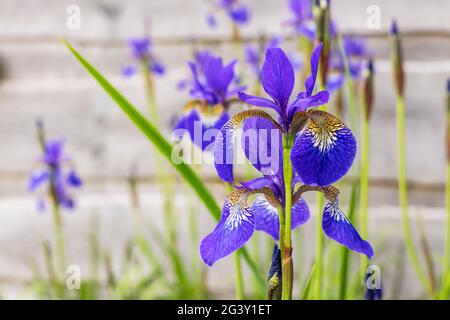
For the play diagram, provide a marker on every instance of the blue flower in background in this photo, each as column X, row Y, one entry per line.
column 238, row 13
column 254, row 53
column 55, row 172
column 212, row 88
column 357, row 53
column 303, row 19
column 322, row 152
column 141, row 51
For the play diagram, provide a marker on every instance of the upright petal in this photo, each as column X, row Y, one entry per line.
column 235, row 228
column 311, row 80
column 266, row 216
column 336, row 226
column 277, row 76
column 324, row 150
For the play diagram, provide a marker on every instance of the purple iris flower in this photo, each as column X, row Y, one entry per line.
column 238, row 13
column 54, row 173
column 322, row 149
column 303, row 19
column 357, row 53
column 141, row 51
column 213, row 91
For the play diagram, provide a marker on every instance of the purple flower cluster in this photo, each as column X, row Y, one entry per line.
column 56, row 173
column 238, row 13
column 141, row 51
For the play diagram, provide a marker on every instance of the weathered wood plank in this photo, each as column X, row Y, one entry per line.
column 182, row 19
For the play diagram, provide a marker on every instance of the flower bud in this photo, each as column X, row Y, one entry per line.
column 397, row 59
column 368, row 90
column 274, row 278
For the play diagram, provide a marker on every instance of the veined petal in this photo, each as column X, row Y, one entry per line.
column 203, row 127
column 259, row 102
column 311, row 80
column 302, row 103
column 277, row 76
column 224, row 143
column 262, row 144
column 324, row 150
column 257, row 183
column 235, row 228
column 266, row 216
column 336, row 226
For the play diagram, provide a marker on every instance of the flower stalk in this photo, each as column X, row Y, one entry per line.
column 287, row 267
column 57, row 220
column 398, row 73
column 445, row 282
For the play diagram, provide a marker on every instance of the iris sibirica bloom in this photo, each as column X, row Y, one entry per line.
column 141, row 51
column 213, row 89
column 237, row 12
column 55, row 172
column 303, row 19
column 320, row 147
column 356, row 53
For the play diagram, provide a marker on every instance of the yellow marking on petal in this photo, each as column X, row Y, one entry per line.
column 323, row 126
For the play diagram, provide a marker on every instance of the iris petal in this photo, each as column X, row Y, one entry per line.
column 37, row 178
column 197, row 126
column 258, row 101
column 324, row 150
column 311, row 80
column 266, row 216
column 224, row 146
column 235, row 228
column 336, row 226
column 277, row 76
column 262, row 145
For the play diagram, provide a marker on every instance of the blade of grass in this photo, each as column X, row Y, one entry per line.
column 163, row 146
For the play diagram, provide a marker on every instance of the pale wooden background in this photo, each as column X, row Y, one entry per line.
column 40, row 79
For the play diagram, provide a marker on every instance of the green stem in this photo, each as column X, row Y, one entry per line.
column 445, row 285
column 238, row 274
column 319, row 249
column 287, row 264
column 364, row 183
column 403, row 195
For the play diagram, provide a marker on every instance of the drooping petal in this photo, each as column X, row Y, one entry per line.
column 300, row 213
column 324, row 150
column 266, row 216
column 258, row 101
column 311, row 80
column 37, row 178
column 202, row 128
column 277, row 76
column 73, row 179
column 336, row 226
column 262, row 144
column 235, row 228
column 224, row 143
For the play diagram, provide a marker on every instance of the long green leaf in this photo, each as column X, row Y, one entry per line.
column 163, row 146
